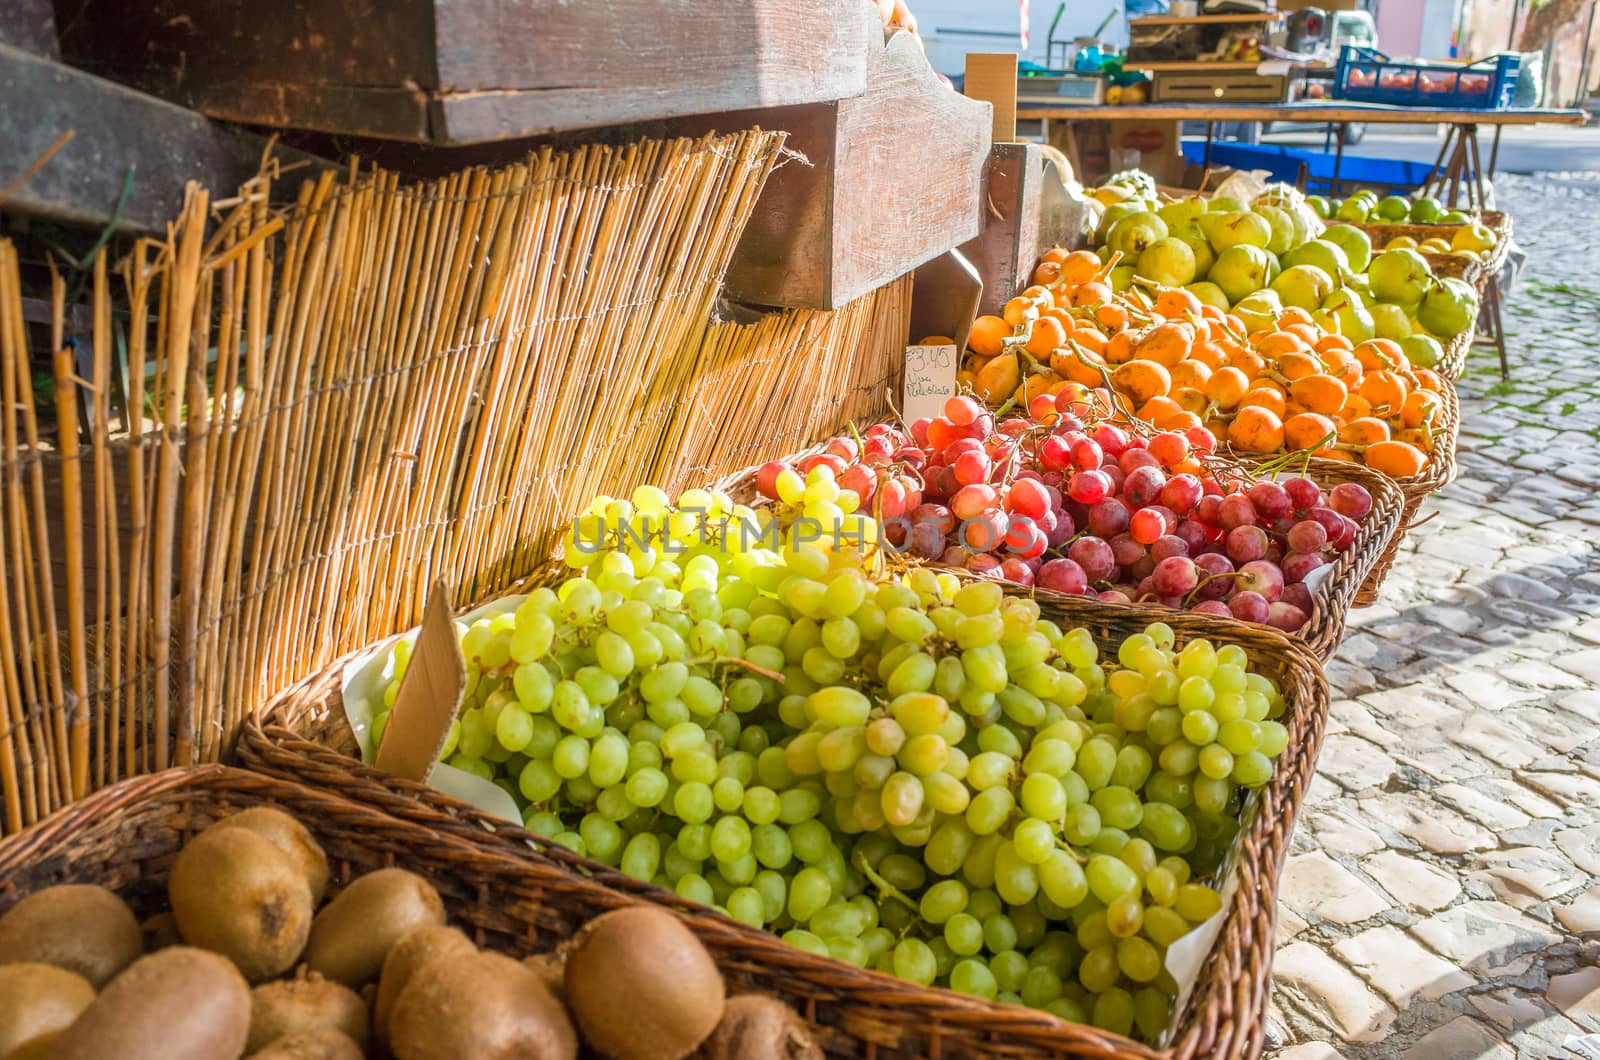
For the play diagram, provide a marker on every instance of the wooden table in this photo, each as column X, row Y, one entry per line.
column 1458, row 165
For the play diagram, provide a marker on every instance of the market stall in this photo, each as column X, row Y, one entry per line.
column 755, row 573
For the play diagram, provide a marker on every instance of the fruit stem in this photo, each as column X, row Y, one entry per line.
column 885, row 888
column 752, row 667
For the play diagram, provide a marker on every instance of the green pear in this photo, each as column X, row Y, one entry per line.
column 1449, row 308
column 1240, row 271
column 1399, row 276
column 1355, row 243
column 1327, row 256
column 1181, row 213
column 1122, row 277
column 1259, row 310
column 1456, row 217
column 1422, row 350
column 1241, row 228
column 1168, row 262
column 1209, row 294
column 1354, row 209
column 1131, row 235
column 1282, row 237
column 1303, row 285
column 1225, row 204
column 1114, row 213
column 1320, row 206
column 1389, row 322
column 1354, row 321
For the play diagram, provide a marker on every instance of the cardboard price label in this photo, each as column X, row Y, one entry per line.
column 930, row 381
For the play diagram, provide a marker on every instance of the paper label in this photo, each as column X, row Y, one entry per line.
column 930, row 381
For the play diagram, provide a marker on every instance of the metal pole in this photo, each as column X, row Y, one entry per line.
column 1583, row 68
column 1511, row 32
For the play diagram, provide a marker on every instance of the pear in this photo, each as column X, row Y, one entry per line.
column 1449, row 308
column 1422, row 350
column 1304, row 286
column 1121, row 277
column 1327, row 256
column 1474, row 238
column 1135, row 232
column 1209, row 294
column 1355, row 322
column 1240, row 271
column 1181, row 213
column 1242, row 228
column 1399, row 276
column 1225, row 204
column 1167, row 261
column 1426, row 209
column 1282, row 237
column 1355, row 243
column 1389, row 322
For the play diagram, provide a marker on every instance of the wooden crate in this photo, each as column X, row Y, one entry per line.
column 470, row 71
column 891, row 179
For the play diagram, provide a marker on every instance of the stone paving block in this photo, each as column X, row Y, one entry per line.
column 1570, row 789
column 1496, row 741
column 1536, row 674
column 1585, row 664
column 1400, row 967
column 1521, row 587
column 1342, row 832
column 1551, row 730
column 1463, row 1038
column 1314, row 885
column 1582, row 845
column 1354, row 763
column 1487, row 689
column 1309, row 1051
column 1337, row 998
column 1483, row 936
column 1365, row 649
column 1432, row 825
column 1525, row 876
column 1581, row 915
column 1350, row 679
column 1419, row 706
column 1577, row 995
column 1413, row 883
column 1290, row 924
column 1492, row 813
column 1585, row 703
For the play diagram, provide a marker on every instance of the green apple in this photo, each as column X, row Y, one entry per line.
column 1323, row 253
column 1422, row 350
column 1282, row 237
column 1394, row 208
column 1456, row 217
column 1345, row 307
column 1355, row 243
column 1320, row 206
column 1354, row 209
column 1240, row 271
column 1399, row 276
column 1303, row 285
column 1473, row 238
column 1131, row 235
column 1209, row 294
column 1225, row 204
column 1241, row 228
column 1389, row 321
column 1169, row 262
column 1426, row 209
column 1449, row 307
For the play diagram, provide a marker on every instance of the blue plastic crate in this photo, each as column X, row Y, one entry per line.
column 1283, row 163
column 1369, row 76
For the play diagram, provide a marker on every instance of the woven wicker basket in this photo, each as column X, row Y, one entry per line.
column 1325, row 628
column 301, row 735
column 1382, row 232
column 1441, row 470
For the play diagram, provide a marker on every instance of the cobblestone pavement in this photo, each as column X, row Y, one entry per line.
column 1443, row 896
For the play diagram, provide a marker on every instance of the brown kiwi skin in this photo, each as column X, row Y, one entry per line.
column 758, row 1027
column 81, row 927
column 352, row 934
column 292, row 837
column 314, row 1043
column 512, row 1015
column 235, row 892
column 38, row 999
column 418, row 948
column 287, row 1006
column 646, row 955
column 179, row 1003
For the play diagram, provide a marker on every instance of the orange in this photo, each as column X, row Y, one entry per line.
column 1261, row 397
column 1119, row 348
column 1047, row 334
column 1293, row 366
column 1419, row 408
column 988, row 335
column 1190, row 373
column 1080, row 266
column 1322, row 394
column 1378, row 354
column 1396, row 459
column 1141, row 380
column 1090, row 338
column 1112, row 315
column 1166, row 344
column 1047, row 272
column 1019, row 311
column 1091, row 293
column 1177, row 302
column 1386, row 391
column 1256, row 430
column 1226, row 386
column 1054, row 256
column 1364, row 431
column 1308, row 431
column 1274, row 344
column 1158, row 408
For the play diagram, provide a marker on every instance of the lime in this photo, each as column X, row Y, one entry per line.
column 1426, row 209
column 1394, row 208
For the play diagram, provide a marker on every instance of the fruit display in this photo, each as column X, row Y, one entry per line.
column 1262, row 379
column 254, row 968
column 1367, row 205
column 1228, row 253
column 912, row 773
column 1084, row 509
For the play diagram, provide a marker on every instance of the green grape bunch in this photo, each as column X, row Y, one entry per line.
column 912, row 773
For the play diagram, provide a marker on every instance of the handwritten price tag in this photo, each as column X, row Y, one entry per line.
column 930, row 381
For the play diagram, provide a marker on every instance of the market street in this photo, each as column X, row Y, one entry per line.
column 1443, row 899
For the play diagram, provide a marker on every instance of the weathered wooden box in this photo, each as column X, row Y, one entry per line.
column 471, row 71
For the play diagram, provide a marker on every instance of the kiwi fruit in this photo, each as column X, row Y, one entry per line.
column 481, row 1005
column 160, row 931
column 286, row 1006
column 671, row 990
column 81, row 927
column 313, row 1043
column 758, row 1027
column 291, row 837
column 179, row 1003
column 418, row 947
column 353, row 933
column 551, row 968
column 237, row 893
column 36, row 1000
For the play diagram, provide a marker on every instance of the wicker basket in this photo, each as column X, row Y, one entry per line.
column 301, row 736
column 1440, row 471
column 1382, row 232
column 1324, row 629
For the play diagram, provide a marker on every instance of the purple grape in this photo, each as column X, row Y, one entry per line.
column 1246, row 543
column 1062, row 576
column 1249, row 607
column 1308, row 535
column 1094, row 557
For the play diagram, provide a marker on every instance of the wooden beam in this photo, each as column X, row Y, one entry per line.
column 1007, row 249
column 992, row 77
column 114, row 129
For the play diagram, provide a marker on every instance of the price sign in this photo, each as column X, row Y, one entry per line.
column 930, row 381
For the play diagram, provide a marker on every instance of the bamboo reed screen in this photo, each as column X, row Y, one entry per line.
column 344, row 400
